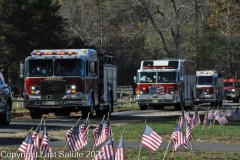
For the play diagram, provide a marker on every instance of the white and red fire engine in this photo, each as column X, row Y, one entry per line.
column 209, row 87
column 232, row 90
column 166, row 82
column 61, row 81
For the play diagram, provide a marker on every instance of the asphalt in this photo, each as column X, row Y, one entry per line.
column 193, row 146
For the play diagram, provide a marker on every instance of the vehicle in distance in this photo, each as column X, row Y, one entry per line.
column 232, row 90
column 5, row 102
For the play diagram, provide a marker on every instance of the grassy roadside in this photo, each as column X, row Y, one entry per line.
column 228, row 134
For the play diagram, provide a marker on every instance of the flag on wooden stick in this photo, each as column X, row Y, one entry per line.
column 28, row 149
column 45, row 148
column 35, row 136
column 106, row 152
column 120, row 154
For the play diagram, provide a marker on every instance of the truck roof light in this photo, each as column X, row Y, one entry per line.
column 38, row 53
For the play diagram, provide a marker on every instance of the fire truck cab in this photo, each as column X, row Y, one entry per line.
column 232, row 90
column 166, row 82
column 61, row 81
column 209, row 87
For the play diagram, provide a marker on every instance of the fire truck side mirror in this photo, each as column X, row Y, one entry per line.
column 135, row 79
column 21, row 74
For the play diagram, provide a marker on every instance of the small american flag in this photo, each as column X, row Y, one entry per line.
column 182, row 119
column 177, row 138
column 216, row 112
column 84, row 133
column 35, row 136
column 28, row 149
column 73, row 138
column 221, row 120
column 230, row 112
column 189, row 134
column 120, row 154
column 151, row 139
column 98, row 135
column 211, row 115
column 45, row 148
column 236, row 113
column 196, row 118
column 206, row 121
column 107, row 130
column 106, row 152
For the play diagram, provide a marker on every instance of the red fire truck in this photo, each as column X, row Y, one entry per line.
column 166, row 82
column 232, row 90
column 209, row 88
column 61, row 81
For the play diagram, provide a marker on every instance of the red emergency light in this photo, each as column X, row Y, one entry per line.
column 38, row 53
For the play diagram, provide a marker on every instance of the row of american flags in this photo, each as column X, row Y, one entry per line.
column 77, row 136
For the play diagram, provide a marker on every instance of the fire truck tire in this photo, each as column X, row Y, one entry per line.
column 161, row 107
column 143, row 107
column 89, row 109
column 111, row 102
column 214, row 104
column 36, row 114
column 155, row 107
column 99, row 113
column 220, row 102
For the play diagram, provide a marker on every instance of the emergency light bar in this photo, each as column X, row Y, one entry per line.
column 157, row 67
column 53, row 53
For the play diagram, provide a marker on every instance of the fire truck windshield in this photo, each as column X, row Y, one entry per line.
column 61, row 67
column 40, row 68
column 158, row 77
column 205, row 80
column 69, row 67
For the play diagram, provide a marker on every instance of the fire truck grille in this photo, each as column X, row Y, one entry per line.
column 55, row 88
column 199, row 91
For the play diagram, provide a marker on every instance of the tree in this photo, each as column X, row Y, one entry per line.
column 27, row 25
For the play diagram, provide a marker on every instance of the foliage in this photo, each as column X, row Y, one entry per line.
column 27, row 25
column 206, row 31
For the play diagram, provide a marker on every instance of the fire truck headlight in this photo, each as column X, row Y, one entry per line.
column 71, row 89
column 233, row 90
column 34, row 89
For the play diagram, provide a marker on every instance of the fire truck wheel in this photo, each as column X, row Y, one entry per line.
column 143, row 107
column 213, row 104
column 220, row 103
column 155, row 107
column 161, row 107
column 99, row 113
column 89, row 110
column 35, row 114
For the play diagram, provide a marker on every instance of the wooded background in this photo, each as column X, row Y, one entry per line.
column 206, row 31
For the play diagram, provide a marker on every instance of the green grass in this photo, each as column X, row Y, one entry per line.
column 216, row 133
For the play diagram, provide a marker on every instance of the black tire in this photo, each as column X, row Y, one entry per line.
column 36, row 114
column 66, row 113
column 161, row 107
column 155, row 107
column 99, row 113
column 220, row 102
column 143, row 107
column 213, row 104
column 58, row 113
column 111, row 102
column 6, row 119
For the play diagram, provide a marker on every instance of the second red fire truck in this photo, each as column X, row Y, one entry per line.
column 166, row 82
column 61, row 81
column 209, row 87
